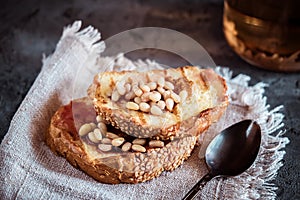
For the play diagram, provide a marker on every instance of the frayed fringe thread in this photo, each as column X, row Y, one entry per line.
column 255, row 183
column 120, row 62
column 88, row 36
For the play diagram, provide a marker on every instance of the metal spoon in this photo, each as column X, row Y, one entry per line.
column 230, row 153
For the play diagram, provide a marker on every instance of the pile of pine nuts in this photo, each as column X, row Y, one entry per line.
column 150, row 97
column 105, row 140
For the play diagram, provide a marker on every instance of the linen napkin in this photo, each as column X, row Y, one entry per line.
column 29, row 170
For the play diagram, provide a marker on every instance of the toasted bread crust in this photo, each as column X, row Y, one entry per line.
column 63, row 139
column 130, row 167
column 136, row 123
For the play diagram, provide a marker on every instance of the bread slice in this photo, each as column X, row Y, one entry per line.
column 159, row 103
column 115, row 165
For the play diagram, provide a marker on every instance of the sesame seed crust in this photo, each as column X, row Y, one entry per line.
column 119, row 166
column 105, row 141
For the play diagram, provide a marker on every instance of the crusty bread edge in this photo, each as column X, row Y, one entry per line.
column 62, row 144
column 122, row 123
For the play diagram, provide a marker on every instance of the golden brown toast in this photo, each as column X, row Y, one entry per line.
column 159, row 103
column 116, row 164
column 119, row 142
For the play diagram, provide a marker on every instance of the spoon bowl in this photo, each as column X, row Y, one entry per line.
column 230, row 153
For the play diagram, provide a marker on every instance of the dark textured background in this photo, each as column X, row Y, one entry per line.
column 30, row 28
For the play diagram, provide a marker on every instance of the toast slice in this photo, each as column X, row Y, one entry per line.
column 159, row 103
column 107, row 158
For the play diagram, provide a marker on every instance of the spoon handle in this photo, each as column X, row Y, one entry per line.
column 197, row 187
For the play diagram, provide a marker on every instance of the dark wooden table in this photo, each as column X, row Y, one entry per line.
column 30, row 28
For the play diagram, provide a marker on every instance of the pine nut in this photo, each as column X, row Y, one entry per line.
column 92, row 137
column 121, row 88
column 161, row 81
column 139, row 141
column 183, row 95
column 155, row 110
column 170, row 104
column 137, row 100
column 126, row 146
column 152, row 103
column 138, row 148
column 155, row 96
column 85, row 129
column 127, row 87
column 115, row 96
column 152, row 85
column 130, row 95
column 141, row 83
column 145, row 107
column 161, row 104
column 111, row 135
column 105, row 147
column 98, row 134
column 132, row 106
column 175, row 97
column 145, row 88
column 106, row 141
column 167, row 94
column 102, row 127
column 137, row 91
column 156, row 144
column 117, row 141
column 93, row 125
column 145, row 97
column 161, row 90
column 99, row 118
column 169, row 85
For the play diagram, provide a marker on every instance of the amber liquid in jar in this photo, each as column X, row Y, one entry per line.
column 265, row 33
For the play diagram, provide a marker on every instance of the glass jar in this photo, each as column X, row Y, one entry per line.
column 265, row 33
